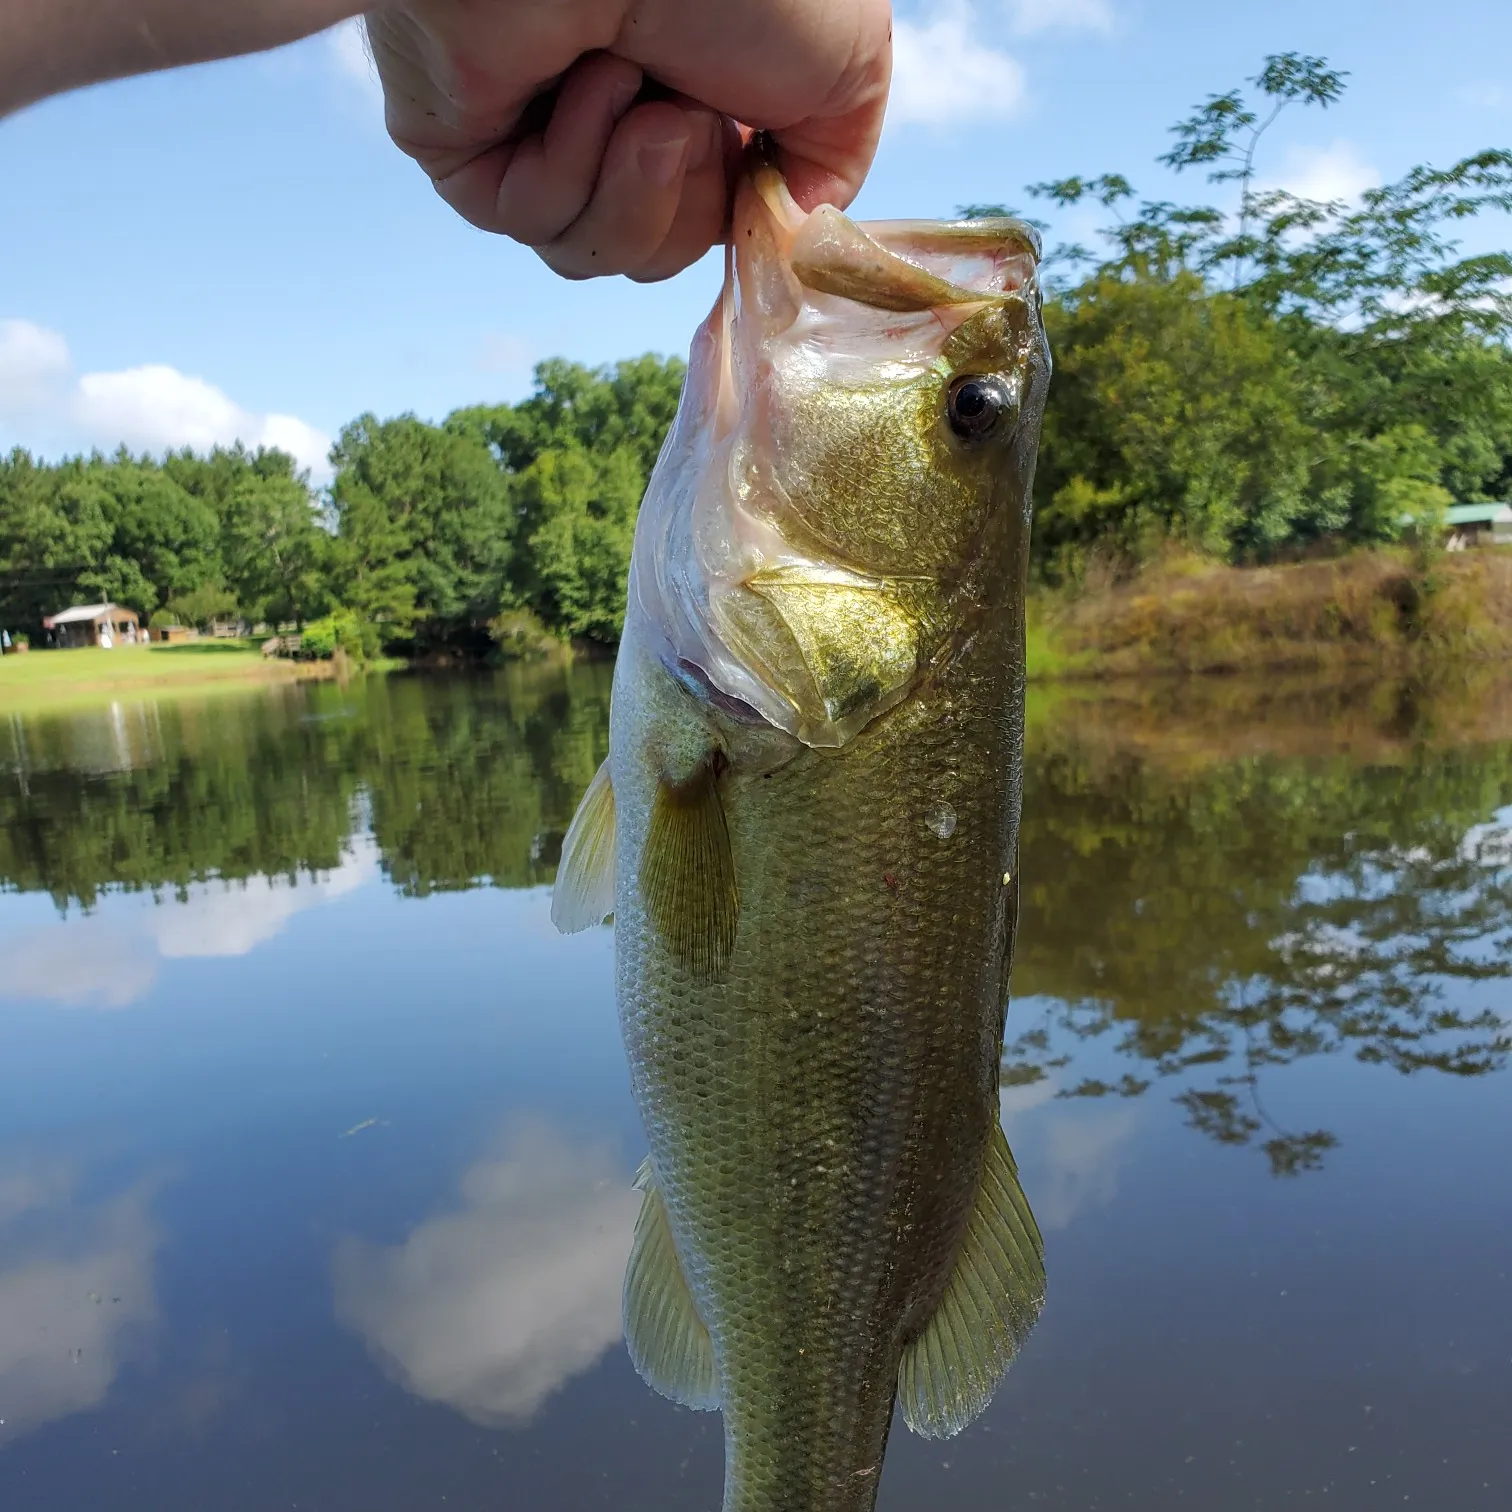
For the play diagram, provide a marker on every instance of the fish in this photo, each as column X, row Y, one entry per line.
column 805, row 834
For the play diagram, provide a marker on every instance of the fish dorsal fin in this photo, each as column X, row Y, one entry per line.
column 991, row 1301
column 667, row 1341
column 687, row 874
column 584, row 891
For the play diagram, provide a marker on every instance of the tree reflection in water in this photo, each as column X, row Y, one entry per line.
column 1300, row 882
column 1218, row 880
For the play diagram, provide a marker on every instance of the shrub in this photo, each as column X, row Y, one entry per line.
column 519, row 635
column 339, row 630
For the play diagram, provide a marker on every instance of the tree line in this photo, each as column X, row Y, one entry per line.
column 1240, row 381
column 429, row 532
column 1245, row 382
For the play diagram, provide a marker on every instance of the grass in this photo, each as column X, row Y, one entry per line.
column 1378, row 609
column 42, row 680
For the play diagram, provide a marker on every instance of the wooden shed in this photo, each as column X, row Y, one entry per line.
column 95, row 625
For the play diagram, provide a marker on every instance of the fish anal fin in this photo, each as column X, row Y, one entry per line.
column 990, row 1303
column 667, row 1340
column 584, row 891
column 687, row 872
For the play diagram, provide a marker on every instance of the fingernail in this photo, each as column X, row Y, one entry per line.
column 707, row 140
column 624, row 92
column 661, row 162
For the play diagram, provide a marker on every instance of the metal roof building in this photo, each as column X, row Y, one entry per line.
column 1479, row 514
column 93, row 625
column 1478, row 525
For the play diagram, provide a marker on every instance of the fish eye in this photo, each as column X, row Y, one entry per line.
column 975, row 404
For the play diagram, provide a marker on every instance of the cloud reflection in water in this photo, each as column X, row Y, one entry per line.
column 491, row 1307
column 76, row 1291
column 109, row 958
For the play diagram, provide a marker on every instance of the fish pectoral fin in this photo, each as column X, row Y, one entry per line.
column 667, row 1340
column 584, row 891
column 990, row 1303
column 687, row 873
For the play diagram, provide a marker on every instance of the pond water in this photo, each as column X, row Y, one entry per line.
column 316, row 1141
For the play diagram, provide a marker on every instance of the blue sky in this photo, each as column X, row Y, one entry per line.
column 236, row 250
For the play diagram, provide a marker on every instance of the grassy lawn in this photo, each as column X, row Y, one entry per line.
column 61, row 679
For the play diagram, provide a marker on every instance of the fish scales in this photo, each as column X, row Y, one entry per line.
column 806, row 831
column 820, row 1114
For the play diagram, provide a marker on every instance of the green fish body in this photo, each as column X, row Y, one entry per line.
column 806, row 831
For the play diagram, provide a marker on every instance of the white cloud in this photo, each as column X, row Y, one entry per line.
column 491, row 1308
column 76, row 1286
column 152, row 407
column 944, row 72
column 1326, row 174
column 1035, row 17
column 32, row 362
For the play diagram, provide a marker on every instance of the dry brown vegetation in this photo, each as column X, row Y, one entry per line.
column 1188, row 723
column 1385, row 609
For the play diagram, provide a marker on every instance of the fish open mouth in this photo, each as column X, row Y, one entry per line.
column 947, row 264
column 772, row 597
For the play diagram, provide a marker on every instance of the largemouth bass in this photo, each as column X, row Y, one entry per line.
column 806, row 832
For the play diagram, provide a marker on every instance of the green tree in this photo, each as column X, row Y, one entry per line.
column 1175, row 415
column 578, row 453
column 275, row 551
column 54, row 526
column 1373, row 355
column 277, row 554
column 577, row 514
column 423, row 519
column 169, row 537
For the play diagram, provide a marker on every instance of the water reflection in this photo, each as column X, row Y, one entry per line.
column 1080, row 1155
column 1218, row 882
column 1283, row 924
column 76, row 1291
column 112, row 962
column 1213, row 920
column 490, row 1308
column 462, row 782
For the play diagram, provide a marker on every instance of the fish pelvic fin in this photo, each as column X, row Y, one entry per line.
column 667, row 1340
column 584, row 891
column 990, row 1303
column 687, row 873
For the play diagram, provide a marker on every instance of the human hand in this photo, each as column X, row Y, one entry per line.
column 530, row 115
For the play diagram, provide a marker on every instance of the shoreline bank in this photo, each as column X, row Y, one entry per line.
column 1379, row 612
column 38, row 682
